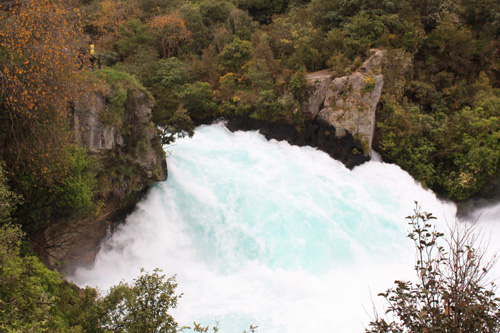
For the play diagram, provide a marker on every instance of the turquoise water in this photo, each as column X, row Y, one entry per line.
column 269, row 234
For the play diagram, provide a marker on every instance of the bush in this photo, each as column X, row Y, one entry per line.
column 197, row 99
column 34, row 298
column 235, row 55
column 143, row 306
column 450, row 294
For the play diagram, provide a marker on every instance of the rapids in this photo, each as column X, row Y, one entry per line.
column 261, row 232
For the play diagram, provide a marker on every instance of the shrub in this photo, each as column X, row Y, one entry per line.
column 450, row 294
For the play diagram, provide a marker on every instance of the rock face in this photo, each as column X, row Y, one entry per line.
column 348, row 103
column 339, row 114
column 132, row 159
column 133, row 136
column 320, row 83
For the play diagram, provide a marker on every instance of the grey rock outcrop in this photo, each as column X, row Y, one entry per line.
column 349, row 102
column 320, row 83
column 90, row 131
column 125, row 135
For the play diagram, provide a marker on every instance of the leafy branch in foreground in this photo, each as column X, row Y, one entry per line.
column 143, row 306
column 452, row 292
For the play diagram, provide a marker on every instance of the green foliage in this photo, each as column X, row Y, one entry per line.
column 235, row 55
column 116, row 78
column 194, row 20
column 8, row 199
column 60, row 191
column 142, row 306
column 298, row 85
column 407, row 139
column 437, row 51
column 153, row 6
column 134, row 37
column 361, row 33
column 215, row 11
column 34, row 298
column 329, row 14
column 260, row 75
column 481, row 15
column 262, row 11
column 166, row 102
column 450, row 47
column 272, row 108
column 117, row 87
column 288, row 34
column 169, row 83
column 454, row 153
column 241, row 24
column 197, row 99
column 305, row 56
column 170, row 73
column 179, row 125
column 402, row 33
column 451, row 293
column 80, row 187
column 474, row 135
column 141, row 64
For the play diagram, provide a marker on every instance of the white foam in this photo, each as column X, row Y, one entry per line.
column 269, row 234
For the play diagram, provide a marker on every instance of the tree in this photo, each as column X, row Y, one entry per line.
column 329, row 14
column 32, row 297
column 111, row 15
column 474, row 135
column 197, row 99
column 170, row 73
column 236, row 54
column 171, row 31
column 41, row 76
column 215, row 11
column 361, row 33
column 142, row 306
column 263, row 11
column 194, row 21
column 135, row 36
column 451, row 293
column 288, row 34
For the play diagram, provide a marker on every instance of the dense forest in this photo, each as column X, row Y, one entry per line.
column 438, row 117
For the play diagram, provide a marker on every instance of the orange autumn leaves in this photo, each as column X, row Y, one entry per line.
column 111, row 16
column 39, row 41
column 171, row 30
column 41, row 76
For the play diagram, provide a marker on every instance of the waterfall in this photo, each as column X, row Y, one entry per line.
column 264, row 233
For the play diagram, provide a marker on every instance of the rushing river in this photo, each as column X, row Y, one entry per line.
column 269, row 234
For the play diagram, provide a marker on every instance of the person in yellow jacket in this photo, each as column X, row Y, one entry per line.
column 92, row 55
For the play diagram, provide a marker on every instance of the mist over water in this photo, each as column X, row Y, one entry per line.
column 269, row 234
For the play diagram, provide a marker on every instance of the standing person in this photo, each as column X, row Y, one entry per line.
column 92, row 55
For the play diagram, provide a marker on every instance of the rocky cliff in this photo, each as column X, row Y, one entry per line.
column 129, row 135
column 348, row 103
column 129, row 158
column 339, row 114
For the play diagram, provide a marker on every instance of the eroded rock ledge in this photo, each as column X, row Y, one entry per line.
column 316, row 134
column 339, row 114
